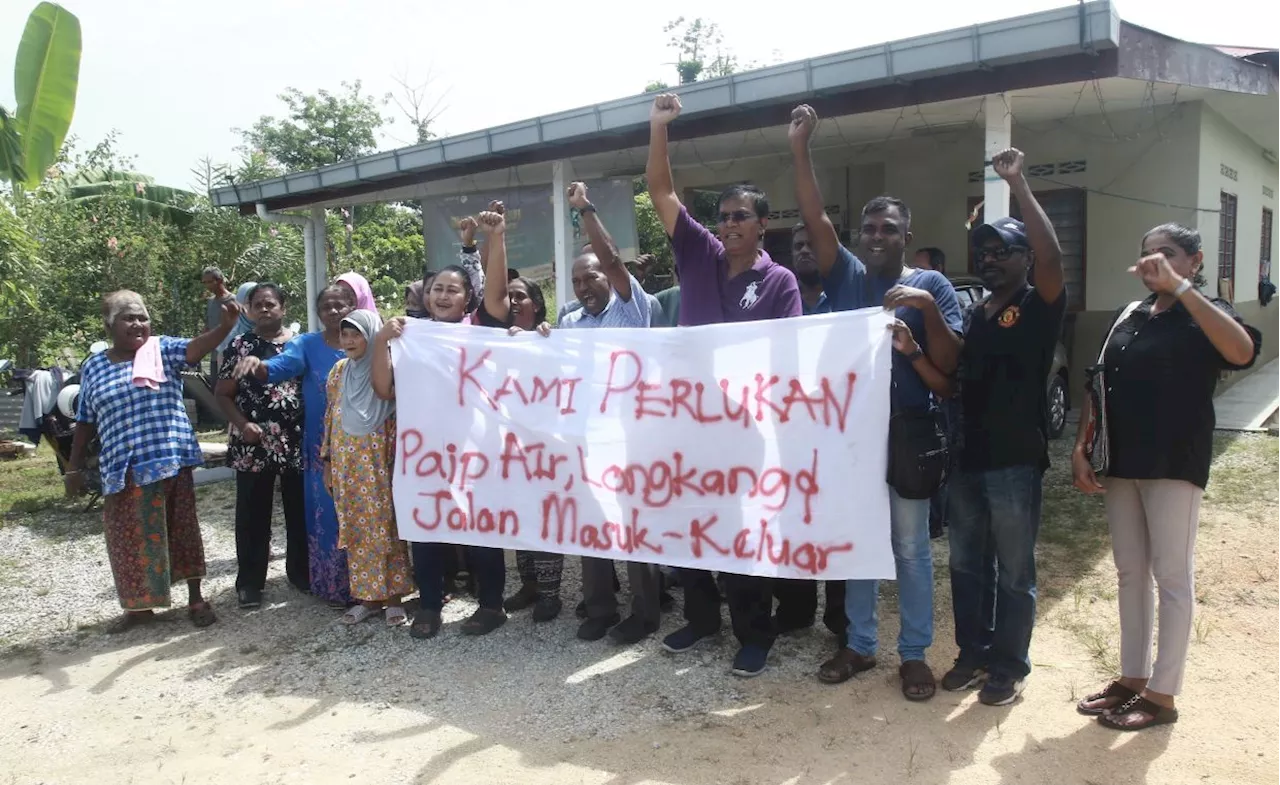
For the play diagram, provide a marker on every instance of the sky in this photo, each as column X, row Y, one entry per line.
column 175, row 77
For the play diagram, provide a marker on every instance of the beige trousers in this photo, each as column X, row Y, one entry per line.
column 1153, row 535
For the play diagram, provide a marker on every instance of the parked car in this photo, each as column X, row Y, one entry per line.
column 971, row 290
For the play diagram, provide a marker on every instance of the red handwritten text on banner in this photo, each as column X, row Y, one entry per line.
column 755, row 448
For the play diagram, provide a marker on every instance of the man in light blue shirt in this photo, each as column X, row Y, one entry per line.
column 610, row 296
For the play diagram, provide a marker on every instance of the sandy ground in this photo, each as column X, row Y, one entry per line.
column 284, row 695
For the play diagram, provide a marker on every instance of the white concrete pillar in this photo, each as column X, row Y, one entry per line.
column 995, row 191
column 322, row 247
column 309, row 258
column 560, row 217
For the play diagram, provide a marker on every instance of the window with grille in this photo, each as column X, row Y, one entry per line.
column 1264, row 258
column 1227, row 245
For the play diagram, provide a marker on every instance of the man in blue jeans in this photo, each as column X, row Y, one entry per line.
column 994, row 496
column 926, row 348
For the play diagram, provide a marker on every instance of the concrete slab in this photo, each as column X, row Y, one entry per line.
column 1251, row 401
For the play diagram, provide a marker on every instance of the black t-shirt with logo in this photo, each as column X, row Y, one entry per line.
column 1004, row 374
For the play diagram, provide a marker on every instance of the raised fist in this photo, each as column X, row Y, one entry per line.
column 467, row 230
column 492, row 223
column 666, row 107
column 578, row 195
column 1008, row 163
column 803, row 121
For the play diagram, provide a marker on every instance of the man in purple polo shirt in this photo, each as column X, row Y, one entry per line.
column 722, row 279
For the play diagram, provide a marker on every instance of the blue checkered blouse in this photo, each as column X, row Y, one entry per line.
column 141, row 430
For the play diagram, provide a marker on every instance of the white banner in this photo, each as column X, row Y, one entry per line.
column 756, row 448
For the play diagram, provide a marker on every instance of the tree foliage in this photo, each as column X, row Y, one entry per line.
column 72, row 251
column 317, row 130
column 701, row 53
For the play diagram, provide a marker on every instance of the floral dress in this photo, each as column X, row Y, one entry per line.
column 275, row 407
column 360, row 475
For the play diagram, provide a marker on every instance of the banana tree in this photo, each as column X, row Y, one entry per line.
column 140, row 191
column 46, row 75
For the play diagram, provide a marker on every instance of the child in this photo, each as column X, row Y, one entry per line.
column 359, row 455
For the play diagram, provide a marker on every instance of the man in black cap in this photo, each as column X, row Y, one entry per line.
column 996, row 491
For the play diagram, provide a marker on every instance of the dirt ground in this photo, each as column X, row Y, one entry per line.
column 283, row 695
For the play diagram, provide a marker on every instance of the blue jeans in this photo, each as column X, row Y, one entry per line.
column 909, row 533
column 993, row 523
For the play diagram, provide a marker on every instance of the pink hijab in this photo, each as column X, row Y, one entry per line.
column 364, row 294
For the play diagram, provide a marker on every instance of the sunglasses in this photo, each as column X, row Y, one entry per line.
column 737, row 216
column 999, row 254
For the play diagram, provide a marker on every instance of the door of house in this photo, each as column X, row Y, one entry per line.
column 1066, row 211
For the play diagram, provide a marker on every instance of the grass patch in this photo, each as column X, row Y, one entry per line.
column 31, row 484
column 1243, row 477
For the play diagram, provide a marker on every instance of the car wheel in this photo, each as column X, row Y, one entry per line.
column 1057, row 407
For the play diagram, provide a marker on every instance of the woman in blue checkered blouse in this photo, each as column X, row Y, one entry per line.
column 131, row 398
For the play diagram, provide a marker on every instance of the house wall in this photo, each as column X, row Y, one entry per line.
column 1226, row 151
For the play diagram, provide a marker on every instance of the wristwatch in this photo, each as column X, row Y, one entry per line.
column 588, row 208
column 1183, row 287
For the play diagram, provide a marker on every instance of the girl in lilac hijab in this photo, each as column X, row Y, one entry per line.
column 364, row 293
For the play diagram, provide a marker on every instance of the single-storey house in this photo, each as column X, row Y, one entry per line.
column 1124, row 128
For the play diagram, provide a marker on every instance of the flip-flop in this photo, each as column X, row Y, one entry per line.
column 396, row 617
column 356, row 614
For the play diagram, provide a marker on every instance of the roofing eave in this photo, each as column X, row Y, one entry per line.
column 1066, row 44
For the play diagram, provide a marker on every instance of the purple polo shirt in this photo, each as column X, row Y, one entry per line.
column 709, row 296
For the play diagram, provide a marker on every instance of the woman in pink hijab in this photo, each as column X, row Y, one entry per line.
column 364, row 293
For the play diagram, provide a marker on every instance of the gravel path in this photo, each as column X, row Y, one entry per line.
column 293, row 645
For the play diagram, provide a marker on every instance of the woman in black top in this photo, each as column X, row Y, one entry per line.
column 265, row 443
column 1161, row 367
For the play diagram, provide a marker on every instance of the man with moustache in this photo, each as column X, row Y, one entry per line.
column 724, row 277
column 926, row 350
column 995, row 494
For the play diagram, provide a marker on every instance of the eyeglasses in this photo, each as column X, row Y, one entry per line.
column 737, row 216
column 999, row 254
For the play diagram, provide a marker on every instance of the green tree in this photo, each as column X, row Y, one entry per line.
column 652, row 236
column 317, row 130
column 71, row 251
column 698, row 43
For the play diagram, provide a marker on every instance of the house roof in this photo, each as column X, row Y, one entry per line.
column 1079, row 43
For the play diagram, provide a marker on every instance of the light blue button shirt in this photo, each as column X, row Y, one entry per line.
column 616, row 313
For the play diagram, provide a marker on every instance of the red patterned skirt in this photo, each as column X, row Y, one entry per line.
column 153, row 540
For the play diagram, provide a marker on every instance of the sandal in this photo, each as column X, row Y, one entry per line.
column 483, row 622
column 918, row 683
column 201, row 614
column 844, row 666
column 1159, row 715
column 1115, row 690
column 396, row 617
column 130, row 620
column 425, row 625
column 356, row 614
